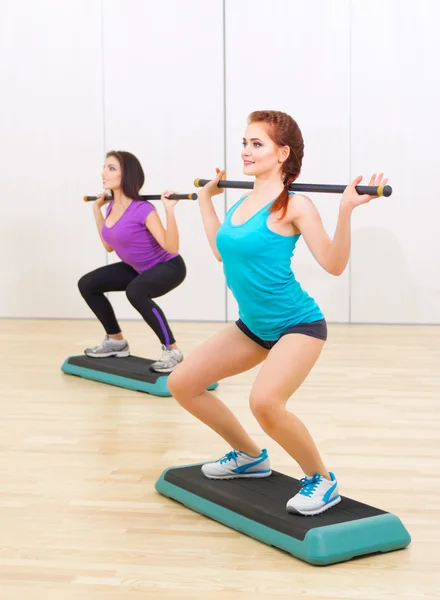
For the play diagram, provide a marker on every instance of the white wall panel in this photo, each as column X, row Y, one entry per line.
column 396, row 128
column 51, row 151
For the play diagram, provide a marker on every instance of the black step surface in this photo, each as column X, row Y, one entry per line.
column 264, row 500
column 131, row 367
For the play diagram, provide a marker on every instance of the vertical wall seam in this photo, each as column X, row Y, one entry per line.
column 350, row 22
column 225, row 201
column 104, row 136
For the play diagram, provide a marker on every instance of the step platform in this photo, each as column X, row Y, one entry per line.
column 132, row 373
column 257, row 507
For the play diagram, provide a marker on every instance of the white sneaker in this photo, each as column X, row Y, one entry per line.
column 316, row 495
column 238, row 464
column 168, row 361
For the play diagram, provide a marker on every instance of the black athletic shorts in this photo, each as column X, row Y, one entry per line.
column 316, row 329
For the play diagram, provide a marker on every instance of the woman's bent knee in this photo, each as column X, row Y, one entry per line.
column 183, row 385
column 85, row 284
column 267, row 412
column 175, row 382
column 135, row 293
column 179, row 382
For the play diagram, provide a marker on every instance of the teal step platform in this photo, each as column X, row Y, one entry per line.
column 256, row 507
column 132, row 373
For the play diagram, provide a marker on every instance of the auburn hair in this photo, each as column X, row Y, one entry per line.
column 283, row 131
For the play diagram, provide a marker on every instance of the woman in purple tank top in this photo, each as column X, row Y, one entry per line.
column 150, row 265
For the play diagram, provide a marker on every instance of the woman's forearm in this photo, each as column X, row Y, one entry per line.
column 339, row 251
column 171, row 233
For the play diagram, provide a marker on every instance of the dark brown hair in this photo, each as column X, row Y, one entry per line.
column 133, row 177
column 283, row 131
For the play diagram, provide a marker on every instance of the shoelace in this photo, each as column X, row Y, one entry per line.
column 229, row 456
column 166, row 353
column 101, row 346
column 309, row 484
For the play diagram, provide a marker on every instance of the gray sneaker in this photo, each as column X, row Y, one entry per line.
column 169, row 359
column 109, row 347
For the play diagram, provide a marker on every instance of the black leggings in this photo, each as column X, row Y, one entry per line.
column 140, row 288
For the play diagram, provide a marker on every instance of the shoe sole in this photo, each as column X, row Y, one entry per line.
column 163, row 370
column 122, row 354
column 245, row 476
column 295, row 511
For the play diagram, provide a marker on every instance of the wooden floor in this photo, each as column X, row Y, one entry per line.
column 79, row 516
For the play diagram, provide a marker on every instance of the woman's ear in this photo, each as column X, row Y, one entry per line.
column 283, row 153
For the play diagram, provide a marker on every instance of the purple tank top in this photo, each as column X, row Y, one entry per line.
column 131, row 240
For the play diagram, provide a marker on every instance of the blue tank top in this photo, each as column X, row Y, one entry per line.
column 256, row 263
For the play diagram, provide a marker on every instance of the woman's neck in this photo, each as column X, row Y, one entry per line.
column 266, row 187
column 121, row 199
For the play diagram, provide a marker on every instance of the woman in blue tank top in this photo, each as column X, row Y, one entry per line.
column 280, row 325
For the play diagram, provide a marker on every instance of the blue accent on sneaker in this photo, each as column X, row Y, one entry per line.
column 329, row 492
column 245, row 468
column 309, row 484
column 233, row 455
column 263, row 456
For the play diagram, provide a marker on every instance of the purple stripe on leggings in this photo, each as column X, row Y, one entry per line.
column 162, row 326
